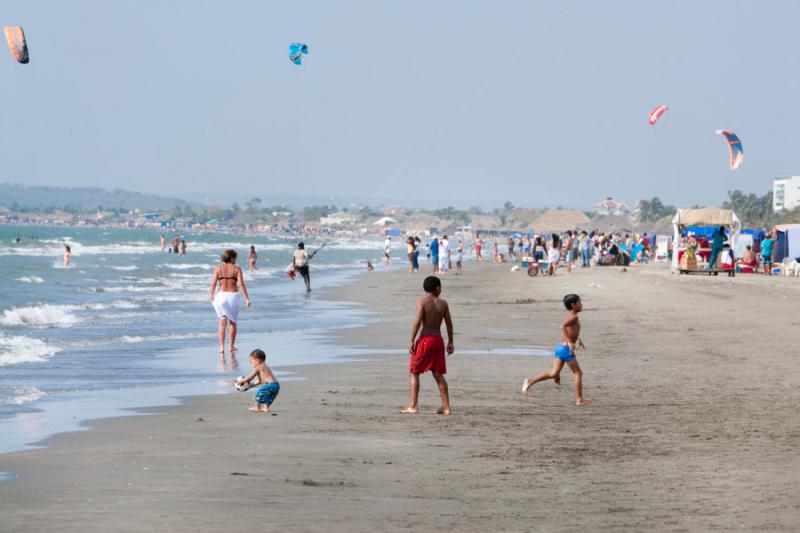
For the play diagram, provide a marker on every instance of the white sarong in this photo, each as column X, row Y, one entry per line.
column 553, row 255
column 227, row 305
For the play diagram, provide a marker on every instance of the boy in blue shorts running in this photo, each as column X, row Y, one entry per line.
column 565, row 352
column 268, row 384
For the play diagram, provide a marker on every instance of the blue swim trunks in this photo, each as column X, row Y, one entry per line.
column 564, row 353
column 267, row 393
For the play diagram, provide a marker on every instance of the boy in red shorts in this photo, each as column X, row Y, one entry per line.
column 428, row 350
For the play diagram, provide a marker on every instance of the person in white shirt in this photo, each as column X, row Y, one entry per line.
column 444, row 254
column 300, row 262
column 387, row 251
column 459, row 258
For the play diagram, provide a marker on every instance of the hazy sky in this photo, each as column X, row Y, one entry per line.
column 473, row 102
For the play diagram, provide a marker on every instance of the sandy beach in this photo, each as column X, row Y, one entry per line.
column 694, row 425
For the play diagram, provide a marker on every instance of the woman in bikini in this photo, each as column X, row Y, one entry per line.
column 252, row 257
column 228, row 301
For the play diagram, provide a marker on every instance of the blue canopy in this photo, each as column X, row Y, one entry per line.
column 758, row 234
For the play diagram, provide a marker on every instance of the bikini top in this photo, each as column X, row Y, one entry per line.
column 226, row 277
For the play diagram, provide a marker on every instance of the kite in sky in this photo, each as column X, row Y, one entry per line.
column 16, row 43
column 735, row 145
column 296, row 51
column 656, row 113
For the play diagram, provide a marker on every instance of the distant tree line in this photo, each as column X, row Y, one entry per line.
column 756, row 211
column 654, row 210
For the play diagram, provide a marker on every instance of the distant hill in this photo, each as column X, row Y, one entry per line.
column 38, row 197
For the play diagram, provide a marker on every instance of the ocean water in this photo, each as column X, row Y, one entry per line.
column 128, row 326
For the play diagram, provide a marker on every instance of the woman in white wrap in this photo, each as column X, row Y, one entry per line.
column 228, row 300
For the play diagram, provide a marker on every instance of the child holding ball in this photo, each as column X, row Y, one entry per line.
column 269, row 387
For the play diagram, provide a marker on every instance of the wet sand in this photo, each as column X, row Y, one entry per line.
column 694, row 425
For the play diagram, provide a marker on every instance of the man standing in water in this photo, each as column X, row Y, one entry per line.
column 387, row 251
column 175, row 242
column 300, row 262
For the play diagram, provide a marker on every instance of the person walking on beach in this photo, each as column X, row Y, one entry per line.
column 478, row 248
column 434, row 247
column 417, row 244
column 585, row 245
column 459, row 257
column 67, row 255
column 228, row 301
column 565, row 352
column 538, row 248
column 300, row 261
column 428, row 350
column 553, row 254
column 570, row 255
column 494, row 252
column 767, row 253
column 268, row 384
column 410, row 247
column 444, row 254
column 387, row 251
column 252, row 257
column 717, row 242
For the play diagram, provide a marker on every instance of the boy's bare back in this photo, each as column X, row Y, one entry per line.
column 431, row 310
column 265, row 375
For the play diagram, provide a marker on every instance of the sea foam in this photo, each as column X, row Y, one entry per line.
column 18, row 349
column 22, row 395
column 39, row 316
column 30, row 279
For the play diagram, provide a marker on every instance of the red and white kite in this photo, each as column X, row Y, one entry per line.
column 656, row 113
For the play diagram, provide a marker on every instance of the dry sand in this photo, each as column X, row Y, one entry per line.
column 694, row 425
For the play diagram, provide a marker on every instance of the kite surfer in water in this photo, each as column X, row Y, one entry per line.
column 300, row 263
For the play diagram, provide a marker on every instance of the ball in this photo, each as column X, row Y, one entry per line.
column 241, row 387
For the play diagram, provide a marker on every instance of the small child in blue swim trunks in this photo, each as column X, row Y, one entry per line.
column 565, row 352
column 268, row 384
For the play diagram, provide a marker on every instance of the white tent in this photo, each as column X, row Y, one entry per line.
column 706, row 216
column 384, row 221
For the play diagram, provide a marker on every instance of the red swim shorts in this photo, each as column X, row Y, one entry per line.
column 429, row 355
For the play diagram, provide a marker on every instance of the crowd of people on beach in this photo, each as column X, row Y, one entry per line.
column 438, row 251
column 551, row 251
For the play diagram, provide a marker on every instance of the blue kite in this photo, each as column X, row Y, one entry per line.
column 296, row 51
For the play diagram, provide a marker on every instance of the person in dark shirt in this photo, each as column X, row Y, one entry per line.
column 717, row 242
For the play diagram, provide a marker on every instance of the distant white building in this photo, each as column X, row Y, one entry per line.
column 609, row 206
column 785, row 193
column 339, row 219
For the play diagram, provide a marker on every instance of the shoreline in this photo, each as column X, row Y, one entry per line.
column 72, row 411
column 678, row 438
